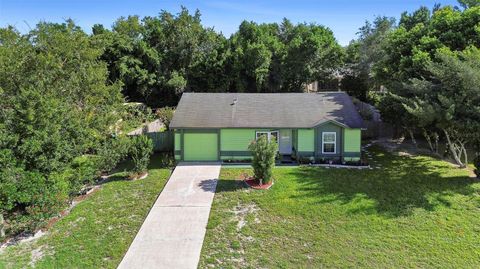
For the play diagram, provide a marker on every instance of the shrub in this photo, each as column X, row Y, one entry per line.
column 263, row 153
column 29, row 199
column 165, row 114
column 112, row 152
column 83, row 170
column 141, row 150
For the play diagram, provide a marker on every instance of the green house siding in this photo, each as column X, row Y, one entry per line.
column 306, row 142
column 352, row 144
column 352, row 140
column 200, row 146
column 236, row 139
column 232, row 144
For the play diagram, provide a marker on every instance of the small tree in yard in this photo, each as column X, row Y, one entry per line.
column 263, row 152
column 141, row 150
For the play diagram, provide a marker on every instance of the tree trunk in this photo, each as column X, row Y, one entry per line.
column 465, row 155
column 436, row 137
column 412, row 137
column 2, row 226
column 429, row 140
column 453, row 151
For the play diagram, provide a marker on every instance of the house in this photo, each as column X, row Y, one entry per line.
column 220, row 126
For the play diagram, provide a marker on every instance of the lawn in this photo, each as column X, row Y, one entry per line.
column 407, row 212
column 98, row 231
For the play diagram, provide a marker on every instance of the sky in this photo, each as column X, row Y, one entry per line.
column 343, row 17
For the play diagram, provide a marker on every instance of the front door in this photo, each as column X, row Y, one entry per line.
column 285, row 142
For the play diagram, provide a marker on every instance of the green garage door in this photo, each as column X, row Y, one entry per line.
column 200, row 147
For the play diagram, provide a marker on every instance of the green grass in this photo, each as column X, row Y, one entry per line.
column 99, row 230
column 410, row 212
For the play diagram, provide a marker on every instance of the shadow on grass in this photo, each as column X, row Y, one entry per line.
column 401, row 185
column 121, row 172
column 229, row 185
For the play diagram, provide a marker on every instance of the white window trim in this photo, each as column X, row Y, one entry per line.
column 334, row 142
column 269, row 134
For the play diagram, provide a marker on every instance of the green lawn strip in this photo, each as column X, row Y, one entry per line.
column 99, row 230
column 410, row 212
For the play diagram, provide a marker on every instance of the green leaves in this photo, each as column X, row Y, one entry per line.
column 263, row 152
column 56, row 105
column 140, row 151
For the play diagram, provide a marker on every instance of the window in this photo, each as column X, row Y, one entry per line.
column 329, row 142
column 270, row 135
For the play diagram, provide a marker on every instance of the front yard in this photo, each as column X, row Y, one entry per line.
column 408, row 212
column 98, row 231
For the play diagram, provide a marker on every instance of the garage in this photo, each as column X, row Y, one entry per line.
column 200, row 147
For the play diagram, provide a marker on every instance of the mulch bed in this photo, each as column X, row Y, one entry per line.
column 254, row 184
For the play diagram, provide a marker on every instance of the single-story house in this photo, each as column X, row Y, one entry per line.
column 220, row 126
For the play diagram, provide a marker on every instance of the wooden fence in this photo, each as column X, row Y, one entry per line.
column 162, row 141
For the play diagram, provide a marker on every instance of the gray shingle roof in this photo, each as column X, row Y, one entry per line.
column 264, row 110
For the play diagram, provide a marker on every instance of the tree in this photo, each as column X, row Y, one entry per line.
column 263, row 152
column 56, row 105
column 361, row 55
column 469, row 3
column 452, row 95
column 281, row 58
column 157, row 58
column 311, row 54
column 418, row 68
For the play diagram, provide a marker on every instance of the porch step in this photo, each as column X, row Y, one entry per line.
column 286, row 159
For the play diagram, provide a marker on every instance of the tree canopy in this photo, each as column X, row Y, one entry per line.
column 157, row 58
column 56, row 106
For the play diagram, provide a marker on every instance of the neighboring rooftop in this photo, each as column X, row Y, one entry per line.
column 264, row 110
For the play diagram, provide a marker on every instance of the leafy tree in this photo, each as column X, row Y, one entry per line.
column 450, row 98
column 429, row 51
column 263, row 162
column 469, row 3
column 157, row 58
column 272, row 58
column 55, row 106
column 361, row 55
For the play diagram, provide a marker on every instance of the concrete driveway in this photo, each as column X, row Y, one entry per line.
column 173, row 232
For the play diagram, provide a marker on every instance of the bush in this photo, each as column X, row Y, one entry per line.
column 29, row 199
column 264, row 153
column 83, row 170
column 141, row 150
column 112, row 152
column 165, row 114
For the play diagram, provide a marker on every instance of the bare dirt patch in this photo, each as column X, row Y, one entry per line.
column 241, row 212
